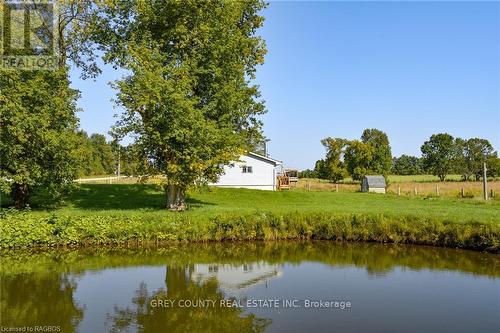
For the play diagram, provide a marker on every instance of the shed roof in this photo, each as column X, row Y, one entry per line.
column 375, row 181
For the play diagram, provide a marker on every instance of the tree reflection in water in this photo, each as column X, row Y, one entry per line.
column 39, row 299
column 179, row 286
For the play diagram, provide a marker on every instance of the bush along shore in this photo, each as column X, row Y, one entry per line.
column 21, row 229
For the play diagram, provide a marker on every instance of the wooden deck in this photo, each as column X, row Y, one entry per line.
column 292, row 174
column 283, row 183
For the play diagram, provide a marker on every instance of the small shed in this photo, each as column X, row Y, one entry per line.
column 373, row 184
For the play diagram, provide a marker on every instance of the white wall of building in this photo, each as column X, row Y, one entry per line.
column 262, row 177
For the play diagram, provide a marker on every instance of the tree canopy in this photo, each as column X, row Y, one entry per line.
column 334, row 167
column 37, row 141
column 470, row 155
column 189, row 96
column 441, row 155
column 381, row 160
column 407, row 165
column 437, row 154
column 371, row 155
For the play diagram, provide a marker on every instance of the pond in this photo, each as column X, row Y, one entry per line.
column 251, row 287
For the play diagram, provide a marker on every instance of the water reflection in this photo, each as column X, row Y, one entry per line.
column 112, row 289
column 233, row 278
column 187, row 316
column 39, row 299
column 375, row 258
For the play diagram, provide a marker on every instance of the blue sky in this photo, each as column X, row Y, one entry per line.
column 410, row 69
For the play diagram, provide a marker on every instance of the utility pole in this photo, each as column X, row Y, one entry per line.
column 116, row 144
column 485, row 182
column 119, row 163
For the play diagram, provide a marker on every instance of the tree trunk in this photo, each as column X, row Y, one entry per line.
column 20, row 194
column 176, row 199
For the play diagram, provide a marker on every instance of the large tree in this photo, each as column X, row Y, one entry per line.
column 189, row 94
column 37, row 108
column 493, row 165
column 381, row 160
column 37, row 137
column 95, row 154
column 102, row 154
column 470, row 156
column 407, row 165
column 438, row 154
column 371, row 155
column 334, row 167
column 320, row 169
column 358, row 159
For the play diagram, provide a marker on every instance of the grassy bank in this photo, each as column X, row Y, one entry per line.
column 115, row 214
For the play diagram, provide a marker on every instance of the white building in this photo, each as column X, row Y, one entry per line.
column 252, row 171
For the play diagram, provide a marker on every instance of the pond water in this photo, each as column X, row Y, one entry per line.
column 251, row 287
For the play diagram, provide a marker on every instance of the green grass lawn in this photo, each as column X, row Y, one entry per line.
column 138, row 199
column 97, row 214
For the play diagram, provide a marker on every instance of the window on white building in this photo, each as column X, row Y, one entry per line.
column 246, row 169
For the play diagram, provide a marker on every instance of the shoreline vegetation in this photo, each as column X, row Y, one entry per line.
column 21, row 230
column 132, row 214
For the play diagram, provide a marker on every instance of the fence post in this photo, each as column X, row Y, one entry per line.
column 462, row 192
column 399, row 190
column 337, row 188
column 485, row 182
column 492, row 193
column 416, row 191
column 437, row 191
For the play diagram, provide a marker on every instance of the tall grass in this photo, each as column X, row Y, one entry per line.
column 406, row 185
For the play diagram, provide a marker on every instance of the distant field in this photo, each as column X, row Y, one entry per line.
column 421, row 178
column 415, row 178
column 425, row 185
